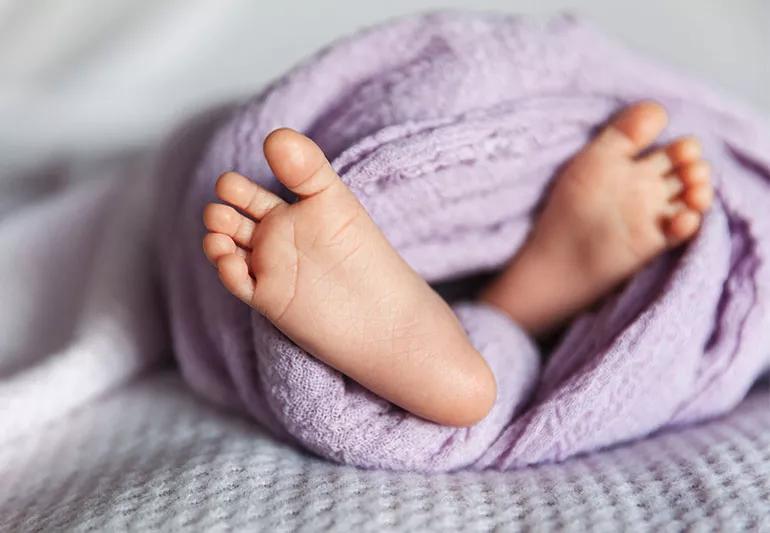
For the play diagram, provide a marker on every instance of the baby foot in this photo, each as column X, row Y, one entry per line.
column 325, row 275
column 612, row 209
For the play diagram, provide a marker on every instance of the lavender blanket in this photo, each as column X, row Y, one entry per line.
column 448, row 128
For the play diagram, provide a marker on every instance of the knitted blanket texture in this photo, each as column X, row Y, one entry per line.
column 449, row 128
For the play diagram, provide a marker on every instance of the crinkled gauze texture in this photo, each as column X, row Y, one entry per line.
column 448, row 127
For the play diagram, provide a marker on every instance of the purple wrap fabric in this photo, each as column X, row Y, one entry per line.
column 448, row 127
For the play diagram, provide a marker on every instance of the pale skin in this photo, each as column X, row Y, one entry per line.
column 324, row 274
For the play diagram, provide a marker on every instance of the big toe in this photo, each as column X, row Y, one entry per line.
column 298, row 162
column 634, row 128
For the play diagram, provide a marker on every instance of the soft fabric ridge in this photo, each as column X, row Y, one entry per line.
column 449, row 127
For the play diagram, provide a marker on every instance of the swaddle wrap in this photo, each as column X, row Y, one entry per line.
column 449, row 127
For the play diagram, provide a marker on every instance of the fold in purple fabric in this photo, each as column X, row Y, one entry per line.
column 448, row 127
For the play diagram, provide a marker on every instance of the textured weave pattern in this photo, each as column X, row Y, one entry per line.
column 448, row 128
column 150, row 457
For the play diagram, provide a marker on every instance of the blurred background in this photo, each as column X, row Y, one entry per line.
column 88, row 78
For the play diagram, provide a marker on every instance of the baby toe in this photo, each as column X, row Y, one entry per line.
column 695, row 173
column 216, row 245
column 683, row 225
column 234, row 188
column 240, row 191
column 684, row 151
column 680, row 152
column 235, row 276
column 219, row 218
column 699, row 197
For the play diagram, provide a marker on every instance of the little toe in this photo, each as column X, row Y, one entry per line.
column 224, row 219
column 682, row 226
column 234, row 273
column 240, row 191
column 634, row 128
column 216, row 245
column 699, row 197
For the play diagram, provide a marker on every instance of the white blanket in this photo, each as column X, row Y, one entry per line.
column 81, row 82
column 174, row 463
column 79, row 309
